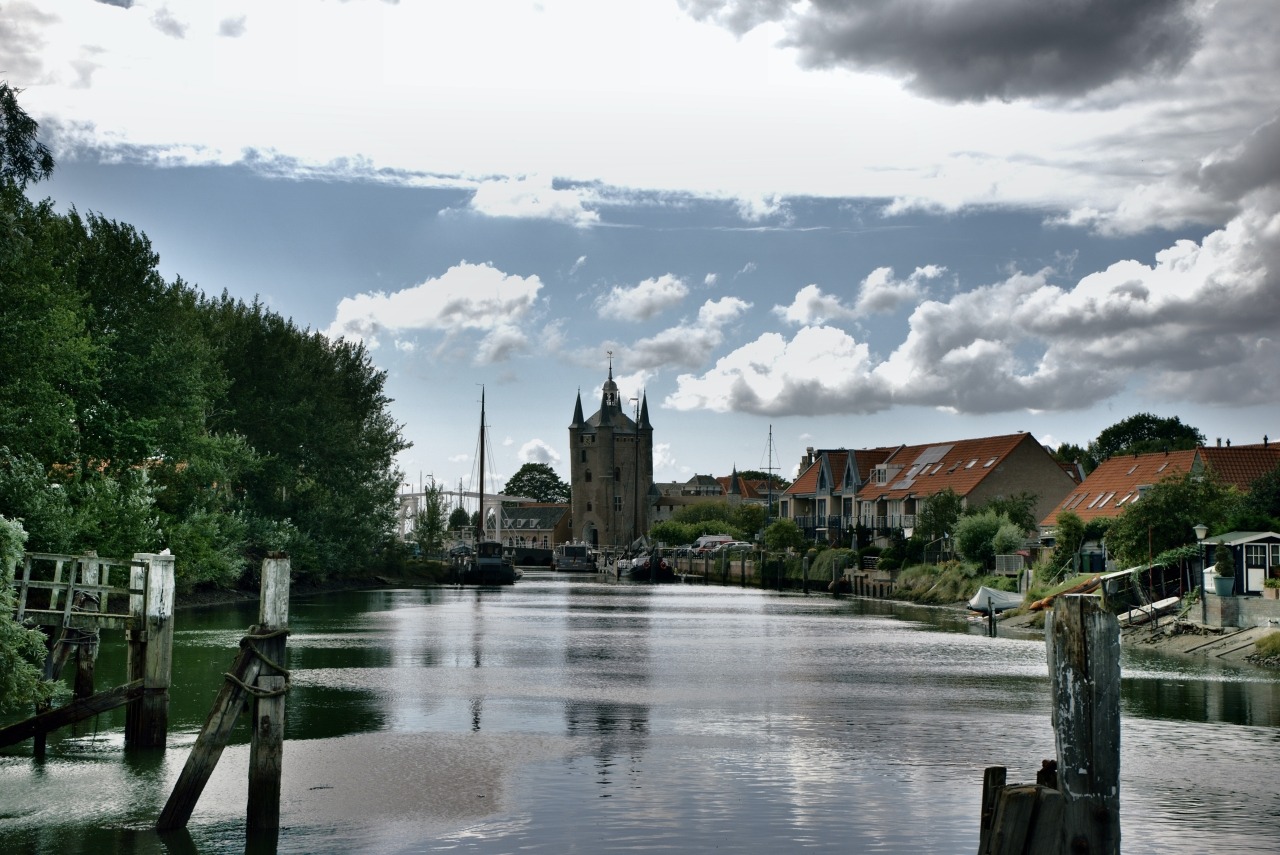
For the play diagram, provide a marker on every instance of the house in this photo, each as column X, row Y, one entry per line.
column 1120, row 482
column 977, row 470
column 539, row 525
column 821, row 501
column 669, row 497
column 1254, row 552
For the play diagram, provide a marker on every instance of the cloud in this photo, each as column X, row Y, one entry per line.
column 691, row 344
column 232, row 28
column 467, row 298
column 164, row 21
column 21, row 43
column 534, row 197
column 812, row 306
column 1197, row 323
column 975, row 50
column 881, row 292
column 644, row 301
column 537, row 451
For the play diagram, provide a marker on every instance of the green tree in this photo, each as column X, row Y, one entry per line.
column 21, row 650
column 539, row 482
column 1259, row 509
column 429, row 521
column 976, row 535
column 748, row 518
column 938, row 516
column 783, row 534
column 1166, row 517
column 1020, row 510
column 673, row 533
column 459, row 519
column 1145, row 433
column 1068, row 536
column 23, row 158
column 1072, row 454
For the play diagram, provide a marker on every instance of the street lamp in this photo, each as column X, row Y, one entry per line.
column 1201, row 530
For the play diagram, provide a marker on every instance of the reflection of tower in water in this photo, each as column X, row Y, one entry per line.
column 608, row 644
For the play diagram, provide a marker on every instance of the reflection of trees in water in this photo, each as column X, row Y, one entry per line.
column 1199, row 699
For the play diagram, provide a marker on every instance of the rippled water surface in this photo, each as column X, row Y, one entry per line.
column 582, row 716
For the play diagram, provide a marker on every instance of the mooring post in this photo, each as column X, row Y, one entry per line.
column 87, row 648
column 266, row 752
column 1083, row 647
column 150, row 653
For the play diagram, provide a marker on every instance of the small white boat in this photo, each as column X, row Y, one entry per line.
column 989, row 600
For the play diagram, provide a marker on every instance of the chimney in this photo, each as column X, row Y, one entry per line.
column 1219, row 442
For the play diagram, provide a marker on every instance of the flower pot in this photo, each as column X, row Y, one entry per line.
column 1271, row 593
column 1224, row 586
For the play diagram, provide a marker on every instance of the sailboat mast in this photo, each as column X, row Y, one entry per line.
column 480, row 527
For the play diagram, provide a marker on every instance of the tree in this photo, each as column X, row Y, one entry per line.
column 459, row 519
column 1166, row 515
column 1068, row 536
column 429, row 522
column 938, row 515
column 23, row 158
column 976, row 535
column 1020, row 510
column 1072, row 454
column 1145, row 433
column 539, row 482
column 783, row 534
column 22, row 650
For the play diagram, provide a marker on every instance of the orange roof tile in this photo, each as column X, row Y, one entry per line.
column 1115, row 484
column 924, row 470
column 1240, row 465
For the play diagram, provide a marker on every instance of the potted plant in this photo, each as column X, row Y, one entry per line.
column 1271, row 588
column 1224, row 565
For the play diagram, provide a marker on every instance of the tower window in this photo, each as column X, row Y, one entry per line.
column 587, row 477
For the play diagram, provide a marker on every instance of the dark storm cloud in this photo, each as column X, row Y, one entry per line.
column 1253, row 165
column 975, row 50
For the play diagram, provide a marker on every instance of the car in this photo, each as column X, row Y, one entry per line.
column 734, row 546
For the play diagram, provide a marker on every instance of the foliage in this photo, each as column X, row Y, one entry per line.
column 1224, row 563
column 975, row 536
column 1072, row 454
column 673, row 533
column 1166, row 517
column 1008, row 539
column 1144, row 433
column 1268, row 646
column 429, row 522
column 779, row 483
column 938, row 515
column 1259, row 509
column 23, row 158
column 138, row 414
column 539, row 482
column 782, row 535
column 459, row 518
column 950, row 582
column 1020, row 510
column 1068, row 535
column 21, row 650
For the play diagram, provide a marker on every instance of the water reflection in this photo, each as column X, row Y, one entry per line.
column 600, row 716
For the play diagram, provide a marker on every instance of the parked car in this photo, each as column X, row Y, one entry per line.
column 734, row 546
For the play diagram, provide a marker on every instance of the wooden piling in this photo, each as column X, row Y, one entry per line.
column 266, row 754
column 261, row 651
column 150, row 651
column 1083, row 646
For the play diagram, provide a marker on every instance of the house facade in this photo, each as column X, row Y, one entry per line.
column 822, row 500
column 977, row 470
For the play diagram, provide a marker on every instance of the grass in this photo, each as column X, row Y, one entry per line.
column 1268, row 646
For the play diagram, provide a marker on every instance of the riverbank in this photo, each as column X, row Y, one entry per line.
column 412, row 575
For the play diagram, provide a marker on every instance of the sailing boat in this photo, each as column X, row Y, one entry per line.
column 488, row 565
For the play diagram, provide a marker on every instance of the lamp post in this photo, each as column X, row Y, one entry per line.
column 1201, row 530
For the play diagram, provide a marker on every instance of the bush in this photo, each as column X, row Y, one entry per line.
column 21, row 649
column 1268, row 646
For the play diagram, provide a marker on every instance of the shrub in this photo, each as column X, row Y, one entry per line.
column 21, row 649
column 1269, row 645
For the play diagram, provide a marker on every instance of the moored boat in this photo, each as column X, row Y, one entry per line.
column 989, row 600
column 573, row 557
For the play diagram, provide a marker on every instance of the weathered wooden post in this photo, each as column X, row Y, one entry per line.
column 1083, row 646
column 804, row 576
column 266, row 752
column 87, row 648
column 150, row 653
column 263, row 649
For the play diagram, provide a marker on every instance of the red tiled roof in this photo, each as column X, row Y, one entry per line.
column 1240, row 465
column 1111, row 487
column 806, row 484
column 929, row 469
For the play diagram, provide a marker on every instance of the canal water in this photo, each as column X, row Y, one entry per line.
column 581, row 715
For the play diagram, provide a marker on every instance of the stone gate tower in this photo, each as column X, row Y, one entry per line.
column 611, row 469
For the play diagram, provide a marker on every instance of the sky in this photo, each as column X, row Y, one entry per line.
column 830, row 224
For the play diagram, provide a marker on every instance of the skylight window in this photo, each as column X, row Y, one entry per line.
column 987, row 465
column 1131, row 469
column 972, row 463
